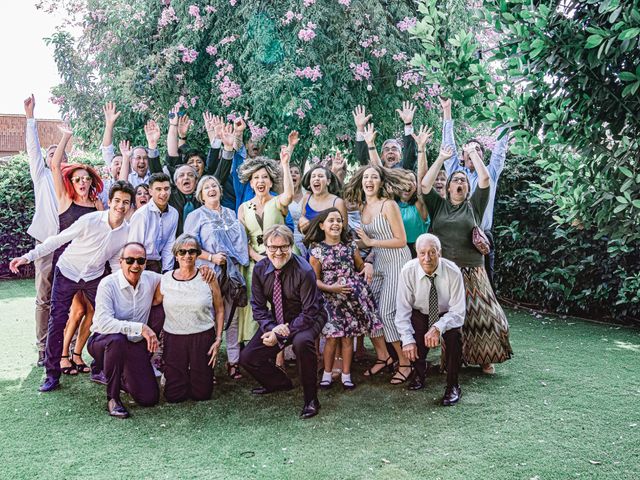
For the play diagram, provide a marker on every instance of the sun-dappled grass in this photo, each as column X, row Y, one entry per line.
column 566, row 406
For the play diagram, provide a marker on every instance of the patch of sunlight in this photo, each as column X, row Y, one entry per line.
column 634, row 347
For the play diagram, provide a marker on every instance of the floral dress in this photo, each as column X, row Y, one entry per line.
column 352, row 314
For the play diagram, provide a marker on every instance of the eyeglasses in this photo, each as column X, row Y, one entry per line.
column 83, row 178
column 191, row 251
column 132, row 260
column 275, row 248
column 458, row 180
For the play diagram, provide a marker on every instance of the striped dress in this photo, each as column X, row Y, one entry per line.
column 387, row 264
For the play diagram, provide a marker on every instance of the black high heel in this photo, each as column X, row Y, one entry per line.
column 387, row 366
column 80, row 367
column 71, row 370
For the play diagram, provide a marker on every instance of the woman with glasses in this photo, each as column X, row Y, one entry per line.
column 224, row 247
column 77, row 188
column 194, row 319
column 485, row 334
column 258, row 214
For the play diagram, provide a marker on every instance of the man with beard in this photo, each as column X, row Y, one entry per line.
column 296, row 317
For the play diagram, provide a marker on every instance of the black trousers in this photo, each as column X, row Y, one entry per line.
column 127, row 366
column 186, row 366
column 489, row 260
column 260, row 361
column 452, row 342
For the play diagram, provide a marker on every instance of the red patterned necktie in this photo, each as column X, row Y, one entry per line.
column 277, row 297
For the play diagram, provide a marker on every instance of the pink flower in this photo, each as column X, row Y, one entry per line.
column 193, row 100
column 290, row 16
column 344, row 3
column 189, row 55
column 313, row 74
column 140, row 107
column 210, row 9
column 257, row 132
column 367, row 42
column 360, row 71
column 400, row 57
column 407, row 23
column 379, row 52
column 410, row 77
column 343, row 138
column 225, row 68
column 307, row 34
column 194, row 11
column 308, row 3
column 318, row 129
column 300, row 113
column 233, row 2
column 168, row 16
column 229, row 39
column 212, row 50
column 57, row 100
column 228, row 91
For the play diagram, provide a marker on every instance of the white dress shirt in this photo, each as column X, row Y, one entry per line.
column 156, row 230
column 45, row 219
column 413, row 294
column 120, row 308
column 93, row 243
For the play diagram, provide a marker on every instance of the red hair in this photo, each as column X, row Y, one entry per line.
column 67, row 170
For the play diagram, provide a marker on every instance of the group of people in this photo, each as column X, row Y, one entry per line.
column 151, row 266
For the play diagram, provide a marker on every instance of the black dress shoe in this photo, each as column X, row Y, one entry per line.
column 116, row 409
column 49, row 385
column 417, row 383
column 99, row 378
column 40, row 359
column 451, row 395
column 265, row 391
column 310, row 409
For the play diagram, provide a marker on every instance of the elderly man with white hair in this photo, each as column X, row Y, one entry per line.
column 431, row 307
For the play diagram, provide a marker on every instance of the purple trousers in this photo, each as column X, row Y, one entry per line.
column 187, row 371
column 62, row 293
column 126, row 365
column 452, row 342
column 260, row 361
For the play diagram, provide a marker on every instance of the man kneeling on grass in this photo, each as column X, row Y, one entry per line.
column 431, row 305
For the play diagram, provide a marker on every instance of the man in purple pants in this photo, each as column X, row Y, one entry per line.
column 95, row 238
column 123, row 303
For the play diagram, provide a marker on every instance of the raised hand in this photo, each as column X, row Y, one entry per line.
column 29, row 106
column 239, row 126
column 227, row 137
column 208, row 121
column 173, row 116
column 65, row 129
column 285, row 156
column 360, row 117
column 445, row 103
column 446, row 152
column 184, row 124
column 423, row 136
column 125, row 149
column 217, row 122
column 110, row 113
column 370, row 135
column 152, row 132
column 407, row 112
column 293, row 138
column 338, row 162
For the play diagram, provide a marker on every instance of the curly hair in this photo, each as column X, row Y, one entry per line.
column 67, row 170
column 392, row 183
column 316, row 235
column 251, row 166
column 334, row 185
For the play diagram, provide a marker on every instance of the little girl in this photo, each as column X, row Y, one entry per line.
column 340, row 270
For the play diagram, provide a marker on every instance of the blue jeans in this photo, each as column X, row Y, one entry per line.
column 62, row 294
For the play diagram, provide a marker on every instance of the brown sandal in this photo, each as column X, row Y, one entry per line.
column 233, row 369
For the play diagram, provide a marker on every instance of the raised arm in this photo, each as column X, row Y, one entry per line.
column 125, row 150
column 110, row 118
column 430, row 178
column 284, row 199
column 339, row 166
column 409, row 155
column 421, row 139
column 478, row 164
column 361, row 119
column 36, row 162
column 498, row 155
column 172, row 133
column 152, row 132
column 239, row 126
column 370, row 135
column 448, row 139
column 184, row 124
column 56, row 171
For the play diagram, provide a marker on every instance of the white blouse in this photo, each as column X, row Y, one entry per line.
column 188, row 305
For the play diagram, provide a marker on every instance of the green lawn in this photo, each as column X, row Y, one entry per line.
column 566, row 406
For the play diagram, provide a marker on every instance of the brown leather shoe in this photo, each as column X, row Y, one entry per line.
column 116, row 409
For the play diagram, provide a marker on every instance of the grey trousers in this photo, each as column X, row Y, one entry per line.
column 44, row 277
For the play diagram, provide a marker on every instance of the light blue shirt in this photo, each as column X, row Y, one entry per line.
column 156, row 231
column 496, row 164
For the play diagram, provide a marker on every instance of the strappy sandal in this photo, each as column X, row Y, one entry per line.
column 348, row 385
column 403, row 378
column 389, row 366
column 325, row 384
column 70, row 370
column 80, row 367
column 233, row 369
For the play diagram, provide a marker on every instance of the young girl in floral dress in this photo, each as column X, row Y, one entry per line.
column 341, row 275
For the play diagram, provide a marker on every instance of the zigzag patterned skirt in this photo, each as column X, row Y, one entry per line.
column 485, row 334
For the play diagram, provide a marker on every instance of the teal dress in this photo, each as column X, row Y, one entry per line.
column 413, row 224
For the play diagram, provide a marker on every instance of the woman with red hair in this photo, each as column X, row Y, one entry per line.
column 77, row 187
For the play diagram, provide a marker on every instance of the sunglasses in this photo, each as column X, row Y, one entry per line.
column 83, row 178
column 132, row 260
column 282, row 248
column 191, row 251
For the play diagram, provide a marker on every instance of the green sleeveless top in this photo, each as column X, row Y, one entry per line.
column 413, row 224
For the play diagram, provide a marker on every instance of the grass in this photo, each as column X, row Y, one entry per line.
column 566, row 406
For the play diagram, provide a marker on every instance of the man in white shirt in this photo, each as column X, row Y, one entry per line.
column 123, row 303
column 95, row 238
column 431, row 305
column 154, row 225
column 44, row 223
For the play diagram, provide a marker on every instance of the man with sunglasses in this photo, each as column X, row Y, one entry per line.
column 495, row 167
column 95, row 238
column 123, row 303
column 296, row 317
